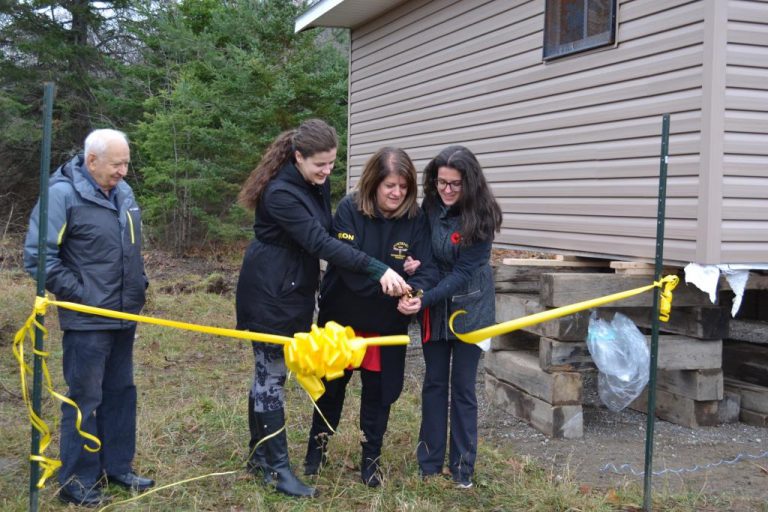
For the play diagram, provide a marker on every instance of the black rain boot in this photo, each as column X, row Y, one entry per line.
column 257, row 455
column 277, row 455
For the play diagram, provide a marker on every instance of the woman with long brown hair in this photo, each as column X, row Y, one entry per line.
column 463, row 217
column 290, row 192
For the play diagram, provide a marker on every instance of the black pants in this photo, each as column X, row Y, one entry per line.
column 374, row 415
column 450, row 365
column 98, row 368
column 331, row 403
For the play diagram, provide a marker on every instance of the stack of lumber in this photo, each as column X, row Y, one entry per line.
column 537, row 372
column 745, row 352
column 746, row 369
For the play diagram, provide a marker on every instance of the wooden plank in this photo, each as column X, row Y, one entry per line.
column 554, row 264
column 563, row 289
column 569, row 328
column 559, row 421
column 526, row 276
column 753, row 331
column 694, row 384
column 703, row 322
column 533, row 272
column 561, row 356
column 753, row 397
column 691, row 413
column 684, row 353
column 632, row 264
column 522, row 370
column 675, row 353
column 516, row 340
column 517, row 286
column 758, row 419
column 746, row 362
column 635, row 272
column 639, row 268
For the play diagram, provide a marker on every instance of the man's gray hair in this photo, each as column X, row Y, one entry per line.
column 96, row 141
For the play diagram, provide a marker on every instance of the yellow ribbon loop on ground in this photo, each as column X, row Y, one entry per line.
column 667, row 284
column 48, row 465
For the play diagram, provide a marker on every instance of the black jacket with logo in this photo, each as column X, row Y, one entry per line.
column 348, row 298
column 280, row 272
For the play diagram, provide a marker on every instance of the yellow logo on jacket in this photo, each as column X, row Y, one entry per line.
column 399, row 250
column 346, row 236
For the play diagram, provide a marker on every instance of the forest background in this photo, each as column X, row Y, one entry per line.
column 201, row 87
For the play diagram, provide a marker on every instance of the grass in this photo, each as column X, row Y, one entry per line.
column 192, row 422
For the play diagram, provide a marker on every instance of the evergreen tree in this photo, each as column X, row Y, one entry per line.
column 81, row 47
column 229, row 76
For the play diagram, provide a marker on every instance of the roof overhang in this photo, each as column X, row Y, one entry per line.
column 343, row 13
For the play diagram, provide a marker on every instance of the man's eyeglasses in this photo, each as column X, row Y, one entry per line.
column 442, row 184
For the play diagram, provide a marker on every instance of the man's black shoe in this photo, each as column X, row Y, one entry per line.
column 75, row 492
column 131, row 481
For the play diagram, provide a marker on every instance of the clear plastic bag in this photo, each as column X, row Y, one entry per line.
column 621, row 354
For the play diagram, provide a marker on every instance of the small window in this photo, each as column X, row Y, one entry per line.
column 572, row 26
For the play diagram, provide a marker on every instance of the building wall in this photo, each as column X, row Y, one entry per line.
column 745, row 147
column 571, row 147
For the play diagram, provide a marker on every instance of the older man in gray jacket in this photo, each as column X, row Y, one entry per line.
column 93, row 257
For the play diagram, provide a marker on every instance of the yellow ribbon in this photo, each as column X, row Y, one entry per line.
column 667, row 284
column 48, row 465
column 327, row 352
column 320, row 353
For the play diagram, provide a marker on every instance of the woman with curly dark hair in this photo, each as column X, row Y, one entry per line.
column 290, row 192
column 463, row 216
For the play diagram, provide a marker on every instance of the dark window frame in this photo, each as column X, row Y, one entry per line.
column 551, row 51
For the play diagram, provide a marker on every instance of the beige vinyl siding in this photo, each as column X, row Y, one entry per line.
column 745, row 140
column 571, row 147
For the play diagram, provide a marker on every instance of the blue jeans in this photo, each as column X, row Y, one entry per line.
column 98, row 368
column 450, row 365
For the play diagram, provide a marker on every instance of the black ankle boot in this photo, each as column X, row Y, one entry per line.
column 316, row 456
column 257, row 459
column 277, row 455
column 369, row 466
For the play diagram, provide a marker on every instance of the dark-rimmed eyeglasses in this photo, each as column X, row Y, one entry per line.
column 442, row 184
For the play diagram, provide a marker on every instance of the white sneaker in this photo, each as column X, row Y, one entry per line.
column 464, row 485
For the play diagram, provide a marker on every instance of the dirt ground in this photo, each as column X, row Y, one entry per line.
column 684, row 460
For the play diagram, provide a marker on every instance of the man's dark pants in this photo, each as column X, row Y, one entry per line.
column 98, row 368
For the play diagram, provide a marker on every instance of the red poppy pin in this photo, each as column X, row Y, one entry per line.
column 455, row 238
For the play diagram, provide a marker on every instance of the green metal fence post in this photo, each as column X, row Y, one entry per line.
column 37, row 373
column 647, row 495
